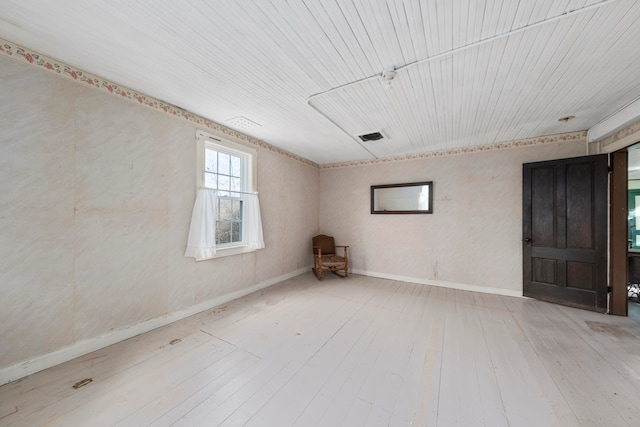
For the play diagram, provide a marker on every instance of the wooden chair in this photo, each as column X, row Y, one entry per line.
column 325, row 257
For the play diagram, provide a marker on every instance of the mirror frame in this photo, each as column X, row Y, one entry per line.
column 408, row 184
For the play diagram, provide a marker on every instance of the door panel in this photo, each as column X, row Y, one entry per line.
column 544, row 270
column 579, row 274
column 565, row 231
column 579, row 206
column 543, row 212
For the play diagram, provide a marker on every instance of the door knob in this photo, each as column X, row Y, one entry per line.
column 527, row 239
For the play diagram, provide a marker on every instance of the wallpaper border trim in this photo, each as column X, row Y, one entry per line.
column 626, row 131
column 22, row 54
column 550, row 139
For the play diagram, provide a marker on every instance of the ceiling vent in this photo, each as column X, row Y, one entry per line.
column 372, row 136
column 242, row 123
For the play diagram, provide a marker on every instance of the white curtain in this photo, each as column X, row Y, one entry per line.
column 253, row 224
column 201, row 244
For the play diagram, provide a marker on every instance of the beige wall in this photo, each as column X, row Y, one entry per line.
column 472, row 238
column 96, row 199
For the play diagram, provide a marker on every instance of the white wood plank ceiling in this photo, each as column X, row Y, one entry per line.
column 468, row 72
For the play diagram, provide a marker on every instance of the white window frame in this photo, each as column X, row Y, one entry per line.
column 249, row 158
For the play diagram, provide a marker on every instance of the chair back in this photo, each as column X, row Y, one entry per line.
column 326, row 243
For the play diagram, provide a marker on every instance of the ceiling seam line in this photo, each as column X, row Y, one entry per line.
column 340, row 127
column 469, row 46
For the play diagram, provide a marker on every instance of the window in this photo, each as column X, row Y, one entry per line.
column 230, row 169
column 223, row 171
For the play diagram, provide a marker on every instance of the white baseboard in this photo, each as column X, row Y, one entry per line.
column 442, row 284
column 61, row 355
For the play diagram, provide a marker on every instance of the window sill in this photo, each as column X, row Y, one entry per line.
column 232, row 250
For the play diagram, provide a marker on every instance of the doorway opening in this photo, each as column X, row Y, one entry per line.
column 633, row 231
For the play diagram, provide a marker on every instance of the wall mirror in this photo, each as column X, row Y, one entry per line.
column 409, row 198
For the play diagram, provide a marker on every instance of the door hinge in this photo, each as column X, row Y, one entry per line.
column 610, row 169
column 609, row 289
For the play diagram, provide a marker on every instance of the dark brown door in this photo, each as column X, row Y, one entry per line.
column 565, row 231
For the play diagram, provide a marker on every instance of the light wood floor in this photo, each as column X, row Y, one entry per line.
column 353, row 352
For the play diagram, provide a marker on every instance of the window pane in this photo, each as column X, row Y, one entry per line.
column 236, row 185
column 225, row 213
column 235, row 232
column 223, row 232
column 236, row 166
column 210, row 160
column 210, row 180
column 236, row 213
column 223, row 182
column 224, row 163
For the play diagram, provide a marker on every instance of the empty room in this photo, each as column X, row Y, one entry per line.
column 319, row 213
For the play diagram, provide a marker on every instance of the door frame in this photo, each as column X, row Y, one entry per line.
column 618, row 255
column 618, row 224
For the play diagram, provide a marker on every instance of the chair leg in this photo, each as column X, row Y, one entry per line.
column 317, row 270
column 346, row 261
